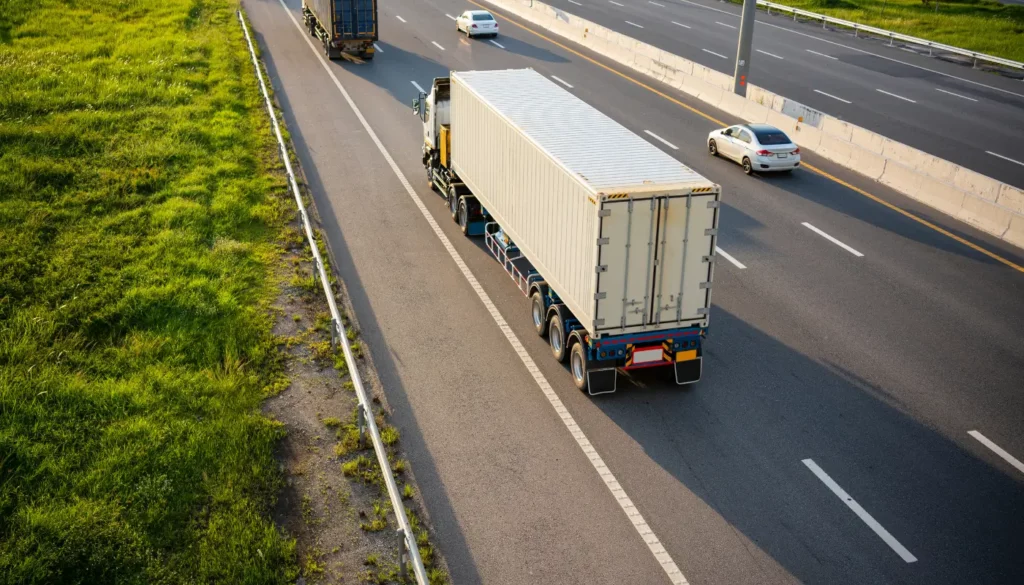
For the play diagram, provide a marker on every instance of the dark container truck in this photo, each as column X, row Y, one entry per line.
column 343, row 26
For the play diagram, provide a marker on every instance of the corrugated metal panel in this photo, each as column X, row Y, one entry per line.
column 605, row 155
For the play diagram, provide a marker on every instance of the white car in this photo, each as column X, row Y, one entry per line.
column 477, row 22
column 758, row 147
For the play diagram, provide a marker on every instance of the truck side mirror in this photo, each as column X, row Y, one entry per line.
column 416, row 107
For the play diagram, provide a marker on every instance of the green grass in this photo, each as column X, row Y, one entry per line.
column 984, row 26
column 139, row 210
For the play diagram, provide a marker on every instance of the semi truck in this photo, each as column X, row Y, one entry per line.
column 343, row 26
column 611, row 240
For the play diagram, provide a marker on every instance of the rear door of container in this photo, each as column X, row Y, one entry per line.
column 653, row 267
column 356, row 19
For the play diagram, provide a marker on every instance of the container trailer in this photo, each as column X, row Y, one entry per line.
column 343, row 26
column 611, row 239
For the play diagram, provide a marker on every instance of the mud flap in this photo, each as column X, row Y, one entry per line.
column 689, row 371
column 601, row 381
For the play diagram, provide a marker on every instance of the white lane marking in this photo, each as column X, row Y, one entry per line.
column 377, row 47
column 615, row 3
column 656, row 4
column 726, row 25
column 562, row 81
column 715, row 54
column 832, row 96
column 575, row 2
column 660, row 139
column 833, row 240
column 418, row 88
column 796, row 32
column 497, row 44
column 621, row 497
column 450, row 16
column 896, row 96
column 728, row 257
column 769, row 54
column 956, row 94
column 998, row 450
column 399, row 18
column 860, row 512
column 822, row 55
column 1004, row 157
column 680, row 24
column 634, row 24
column 437, row 45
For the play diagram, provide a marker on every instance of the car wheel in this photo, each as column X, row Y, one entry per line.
column 713, row 147
column 747, row 167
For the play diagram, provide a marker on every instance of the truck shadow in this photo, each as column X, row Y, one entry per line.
column 736, row 441
column 394, row 69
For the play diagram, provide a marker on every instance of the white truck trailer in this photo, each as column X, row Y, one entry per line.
column 612, row 240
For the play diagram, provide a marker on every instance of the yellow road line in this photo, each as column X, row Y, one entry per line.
column 809, row 167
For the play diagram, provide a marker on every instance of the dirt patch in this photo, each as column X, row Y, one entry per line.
column 334, row 502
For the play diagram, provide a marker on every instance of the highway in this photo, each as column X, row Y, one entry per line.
column 965, row 116
column 828, row 441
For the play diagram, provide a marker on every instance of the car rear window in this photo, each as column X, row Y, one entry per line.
column 482, row 17
column 768, row 137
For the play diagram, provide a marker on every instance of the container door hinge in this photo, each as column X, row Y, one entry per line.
column 708, row 259
column 601, row 268
column 711, row 232
column 705, row 285
column 598, row 322
column 600, row 296
column 604, row 212
column 713, row 204
column 702, row 311
column 602, row 241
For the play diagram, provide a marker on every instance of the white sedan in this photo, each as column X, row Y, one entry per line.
column 758, row 147
column 476, row 22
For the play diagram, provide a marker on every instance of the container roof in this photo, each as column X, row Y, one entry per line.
column 605, row 155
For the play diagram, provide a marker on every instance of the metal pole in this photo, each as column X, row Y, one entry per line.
column 739, row 79
column 402, row 570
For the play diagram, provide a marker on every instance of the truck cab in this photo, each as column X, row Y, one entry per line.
column 434, row 111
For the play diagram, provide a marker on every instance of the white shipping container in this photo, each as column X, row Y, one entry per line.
column 621, row 231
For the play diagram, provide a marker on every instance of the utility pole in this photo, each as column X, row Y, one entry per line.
column 743, row 49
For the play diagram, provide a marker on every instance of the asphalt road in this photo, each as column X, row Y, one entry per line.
column 966, row 116
column 872, row 369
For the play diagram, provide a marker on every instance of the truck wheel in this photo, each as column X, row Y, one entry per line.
column 430, row 179
column 556, row 337
column 578, row 366
column 367, row 56
column 537, row 311
column 453, row 204
column 464, row 216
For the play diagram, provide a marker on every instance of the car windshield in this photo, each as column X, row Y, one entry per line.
column 771, row 137
column 482, row 17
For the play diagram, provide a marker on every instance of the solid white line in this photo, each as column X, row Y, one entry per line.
column 769, row 54
column 998, row 450
column 634, row 24
column 680, row 24
column 625, row 503
column 833, row 240
column 377, row 47
column 956, row 94
column 726, row 25
column 1004, row 157
column 823, row 55
column 497, row 44
column 450, row 16
column 656, row 4
column 615, row 3
column 832, row 96
column 714, row 53
column 662, row 140
column 796, row 32
column 437, row 45
column 896, row 96
column 728, row 257
column 575, row 2
column 399, row 18
column 418, row 88
column 563, row 82
column 860, row 512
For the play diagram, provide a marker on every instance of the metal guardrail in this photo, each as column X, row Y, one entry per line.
column 408, row 551
column 892, row 36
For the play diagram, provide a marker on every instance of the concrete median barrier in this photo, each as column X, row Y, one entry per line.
column 983, row 202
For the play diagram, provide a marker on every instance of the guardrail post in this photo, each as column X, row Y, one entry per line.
column 890, row 39
column 334, row 333
column 403, row 552
column 361, row 423
column 316, row 270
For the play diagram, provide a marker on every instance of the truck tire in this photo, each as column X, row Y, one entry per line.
column 464, row 216
column 367, row 56
column 578, row 366
column 537, row 312
column 430, row 179
column 556, row 338
column 453, row 204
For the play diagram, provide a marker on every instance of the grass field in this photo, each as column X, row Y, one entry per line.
column 985, row 26
column 140, row 213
